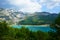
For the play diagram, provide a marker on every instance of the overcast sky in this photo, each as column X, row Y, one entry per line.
column 32, row 5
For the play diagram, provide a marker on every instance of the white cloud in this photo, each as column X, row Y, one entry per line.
column 43, row 1
column 50, row 4
column 56, row 1
column 17, row 2
column 26, row 5
column 34, row 5
column 53, row 4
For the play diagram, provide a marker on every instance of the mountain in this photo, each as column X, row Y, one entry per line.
column 10, row 14
column 20, row 17
column 39, row 18
column 42, row 13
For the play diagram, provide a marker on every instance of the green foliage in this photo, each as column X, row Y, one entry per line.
column 3, row 29
column 10, row 33
column 55, row 33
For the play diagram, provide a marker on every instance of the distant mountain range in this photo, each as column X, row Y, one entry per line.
column 27, row 18
column 39, row 18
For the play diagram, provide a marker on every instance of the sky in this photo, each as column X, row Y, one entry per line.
column 52, row 6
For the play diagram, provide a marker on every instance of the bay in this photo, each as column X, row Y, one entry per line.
column 34, row 27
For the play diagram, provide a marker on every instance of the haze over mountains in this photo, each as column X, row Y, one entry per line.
column 27, row 18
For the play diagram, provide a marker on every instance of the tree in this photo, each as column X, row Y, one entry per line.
column 3, row 29
column 10, row 33
column 54, row 34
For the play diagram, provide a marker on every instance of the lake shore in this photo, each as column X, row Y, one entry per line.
column 46, row 25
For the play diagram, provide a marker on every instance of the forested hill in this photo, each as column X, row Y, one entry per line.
column 39, row 18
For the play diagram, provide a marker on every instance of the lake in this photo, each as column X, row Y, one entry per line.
column 34, row 27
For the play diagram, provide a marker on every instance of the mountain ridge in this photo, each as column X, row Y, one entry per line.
column 16, row 16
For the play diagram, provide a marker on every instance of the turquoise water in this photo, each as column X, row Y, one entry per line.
column 35, row 28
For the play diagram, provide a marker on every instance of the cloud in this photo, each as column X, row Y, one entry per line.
column 58, row 1
column 50, row 4
column 53, row 4
column 26, row 5
column 34, row 5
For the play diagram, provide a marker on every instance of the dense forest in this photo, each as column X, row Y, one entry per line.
column 9, row 33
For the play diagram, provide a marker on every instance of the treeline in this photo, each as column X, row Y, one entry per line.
column 10, row 33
